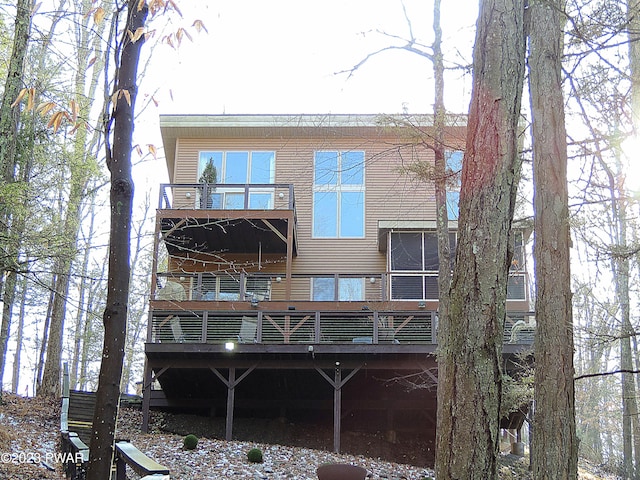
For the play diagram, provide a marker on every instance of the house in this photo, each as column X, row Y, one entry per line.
column 295, row 270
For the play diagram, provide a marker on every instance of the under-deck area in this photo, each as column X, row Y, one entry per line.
column 371, row 371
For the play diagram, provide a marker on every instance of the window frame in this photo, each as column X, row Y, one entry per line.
column 337, row 185
column 427, row 275
column 225, row 194
column 336, row 288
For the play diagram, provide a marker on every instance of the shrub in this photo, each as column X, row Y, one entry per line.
column 190, row 442
column 254, row 455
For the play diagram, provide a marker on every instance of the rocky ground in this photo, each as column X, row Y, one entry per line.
column 29, row 435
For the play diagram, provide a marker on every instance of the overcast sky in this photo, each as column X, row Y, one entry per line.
column 282, row 56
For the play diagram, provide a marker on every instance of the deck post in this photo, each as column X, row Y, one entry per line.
column 146, row 396
column 288, row 267
column 337, row 408
column 337, row 383
column 231, row 391
column 231, row 383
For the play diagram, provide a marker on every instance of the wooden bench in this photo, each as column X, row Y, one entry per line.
column 76, row 418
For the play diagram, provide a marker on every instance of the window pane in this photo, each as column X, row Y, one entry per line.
column 352, row 168
column 236, row 164
column 453, row 202
column 262, row 164
column 234, row 201
column 325, row 212
column 431, row 288
column 515, row 287
column 406, row 251
column 517, row 262
column 453, row 159
column 213, row 157
column 406, row 288
column 261, row 201
column 215, row 201
column 324, row 289
column 431, row 262
column 352, row 214
column 326, row 168
column 350, row 289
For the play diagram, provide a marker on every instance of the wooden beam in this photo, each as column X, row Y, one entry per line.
column 231, row 383
column 337, row 382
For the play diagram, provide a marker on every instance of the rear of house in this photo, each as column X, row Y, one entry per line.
column 295, row 270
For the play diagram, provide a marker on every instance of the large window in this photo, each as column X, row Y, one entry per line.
column 338, row 194
column 414, row 265
column 240, row 167
column 325, row 289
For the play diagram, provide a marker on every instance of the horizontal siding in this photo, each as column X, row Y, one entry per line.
column 390, row 195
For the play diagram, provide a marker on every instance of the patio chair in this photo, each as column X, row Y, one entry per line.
column 248, row 330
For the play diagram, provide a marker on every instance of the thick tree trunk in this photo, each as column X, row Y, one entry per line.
column 555, row 447
column 470, row 337
column 115, row 315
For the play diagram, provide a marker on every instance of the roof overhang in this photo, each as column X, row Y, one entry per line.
column 387, row 226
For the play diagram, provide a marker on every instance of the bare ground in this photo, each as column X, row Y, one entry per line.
column 29, row 432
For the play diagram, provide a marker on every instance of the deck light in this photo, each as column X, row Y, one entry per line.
column 254, row 301
column 422, row 305
column 372, row 279
column 229, row 346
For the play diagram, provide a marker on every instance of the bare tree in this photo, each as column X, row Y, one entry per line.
column 115, row 314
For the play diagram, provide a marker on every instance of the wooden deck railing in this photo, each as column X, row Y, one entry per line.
column 75, row 430
column 315, row 327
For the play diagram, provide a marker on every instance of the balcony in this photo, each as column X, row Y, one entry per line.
column 234, row 218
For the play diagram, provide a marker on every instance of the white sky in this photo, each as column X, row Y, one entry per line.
column 282, row 56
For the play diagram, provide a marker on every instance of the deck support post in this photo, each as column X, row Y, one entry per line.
column 148, row 380
column 231, row 395
column 337, row 382
column 337, row 409
column 231, row 384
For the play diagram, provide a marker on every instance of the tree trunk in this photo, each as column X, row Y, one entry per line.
column 555, row 447
column 442, row 220
column 115, row 315
column 9, row 117
column 15, row 377
column 470, row 337
column 633, row 18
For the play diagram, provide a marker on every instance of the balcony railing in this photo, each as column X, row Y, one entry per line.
column 227, row 196
column 294, row 327
column 222, row 286
column 315, row 327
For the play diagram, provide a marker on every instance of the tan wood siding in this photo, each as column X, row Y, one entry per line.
column 390, row 194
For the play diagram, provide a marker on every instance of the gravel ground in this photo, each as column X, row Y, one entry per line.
column 29, row 435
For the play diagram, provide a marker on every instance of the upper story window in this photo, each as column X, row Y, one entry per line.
column 453, row 160
column 239, row 168
column 415, row 263
column 338, row 194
